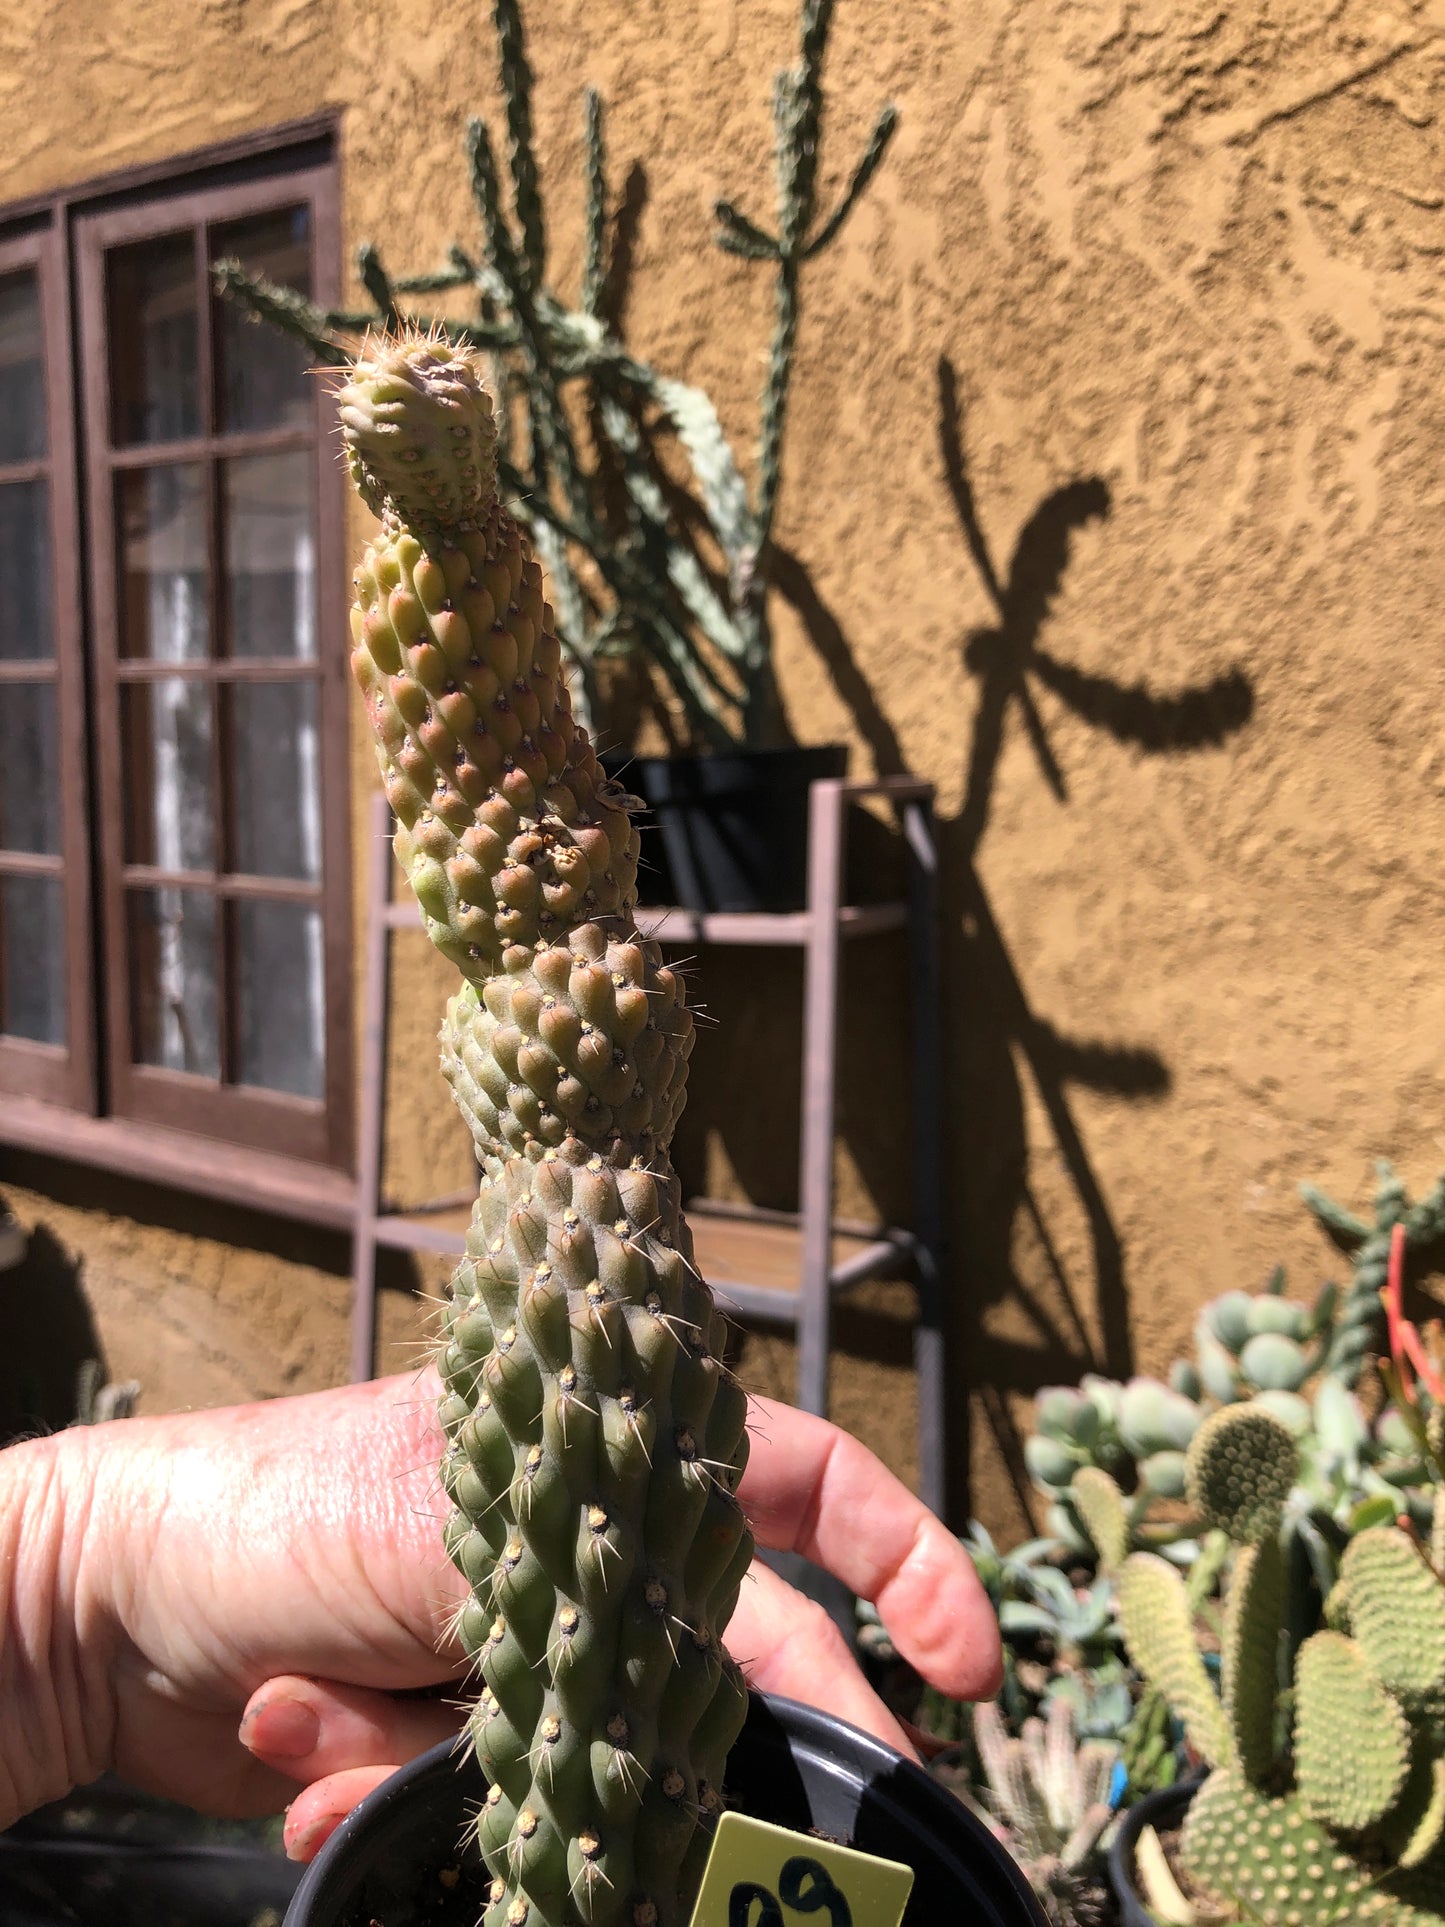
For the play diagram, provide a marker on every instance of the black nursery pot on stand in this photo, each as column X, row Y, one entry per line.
column 395, row 1861
column 733, row 827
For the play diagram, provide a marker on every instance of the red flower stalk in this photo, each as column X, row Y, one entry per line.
column 1407, row 1349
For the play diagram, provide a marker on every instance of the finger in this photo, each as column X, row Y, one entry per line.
column 317, row 1811
column 788, row 1645
column 313, row 1728
column 814, row 1489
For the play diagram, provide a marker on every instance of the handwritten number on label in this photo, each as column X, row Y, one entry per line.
column 813, row 1898
column 740, row 1906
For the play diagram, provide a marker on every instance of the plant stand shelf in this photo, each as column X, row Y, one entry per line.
column 769, row 1267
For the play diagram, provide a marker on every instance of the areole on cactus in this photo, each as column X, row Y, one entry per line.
column 595, row 1436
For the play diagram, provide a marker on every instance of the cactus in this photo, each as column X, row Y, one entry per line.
column 594, row 1436
column 639, row 581
column 1252, row 1351
column 1358, row 1329
column 1051, row 1792
column 1347, row 1822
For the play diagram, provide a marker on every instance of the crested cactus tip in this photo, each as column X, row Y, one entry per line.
column 594, row 1436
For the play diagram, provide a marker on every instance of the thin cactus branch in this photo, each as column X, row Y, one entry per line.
column 458, row 275
column 283, row 308
column 594, row 259
column 552, row 362
column 377, row 283
column 517, row 92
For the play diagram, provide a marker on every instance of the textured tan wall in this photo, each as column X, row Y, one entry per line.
column 1149, row 299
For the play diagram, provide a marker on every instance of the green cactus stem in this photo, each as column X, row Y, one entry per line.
column 595, row 1437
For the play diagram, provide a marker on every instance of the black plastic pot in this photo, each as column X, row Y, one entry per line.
column 395, row 1860
column 733, row 827
column 1165, row 1808
column 107, row 1857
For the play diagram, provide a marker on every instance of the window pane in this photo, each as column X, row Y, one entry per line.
column 155, row 389
column 22, row 369
column 170, row 818
column 263, row 380
column 280, row 996
column 29, row 771
column 26, row 629
column 268, row 506
column 164, row 606
column 173, row 980
column 275, row 768
column 32, row 958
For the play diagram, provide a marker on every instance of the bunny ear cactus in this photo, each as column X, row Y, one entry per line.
column 1347, row 1823
column 595, row 1438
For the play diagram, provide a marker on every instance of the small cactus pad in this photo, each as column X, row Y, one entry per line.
column 1352, row 1741
column 1254, row 1617
column 1101, row 1507
column 1159, row 1630
column 1396, row 1608
column 1242, row 1464
column 595, row 1437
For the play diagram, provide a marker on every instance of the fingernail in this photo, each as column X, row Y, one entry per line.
column 308, row 1841
column 281, row 1729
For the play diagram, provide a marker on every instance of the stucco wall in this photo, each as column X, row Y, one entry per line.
column 1112, row 505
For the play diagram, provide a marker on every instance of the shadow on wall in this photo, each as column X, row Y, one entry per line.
column 994, row 1039
column 47, row 1339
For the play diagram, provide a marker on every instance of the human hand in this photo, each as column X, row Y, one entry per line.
column 285, row 1558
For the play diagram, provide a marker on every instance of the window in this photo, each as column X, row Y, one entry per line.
column 214, row 727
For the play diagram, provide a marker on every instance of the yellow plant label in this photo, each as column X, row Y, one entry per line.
column 759, row 1875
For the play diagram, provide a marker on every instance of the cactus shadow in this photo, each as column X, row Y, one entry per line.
column 47, row 1338
column 1001, row 1052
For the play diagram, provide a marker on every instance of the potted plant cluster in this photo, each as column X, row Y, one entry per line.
column 644, row 562
column 595, row 1435
column 1235, row 1561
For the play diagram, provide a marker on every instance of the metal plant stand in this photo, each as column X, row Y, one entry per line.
column 818, row 1273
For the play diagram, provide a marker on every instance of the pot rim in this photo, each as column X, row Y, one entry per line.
column 878, row 1767
column 1146, row 1812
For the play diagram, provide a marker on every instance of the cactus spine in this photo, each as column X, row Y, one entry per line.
column 595, row 1439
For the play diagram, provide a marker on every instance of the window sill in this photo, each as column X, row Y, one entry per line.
column 305, row 1193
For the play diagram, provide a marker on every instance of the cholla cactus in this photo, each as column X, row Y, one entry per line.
column 638, row 581
column 1346, row 1825
column 1051, row 1792
column 595, row 1438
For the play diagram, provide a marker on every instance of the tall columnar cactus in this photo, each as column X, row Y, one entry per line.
column 1347, row 1823
column 595, row 1437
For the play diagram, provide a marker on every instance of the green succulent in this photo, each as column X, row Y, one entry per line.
column 1050, row 1790
column 1325, row 1800
column 1260, row 1349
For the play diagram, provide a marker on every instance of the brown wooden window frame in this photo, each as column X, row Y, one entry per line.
column 99, row 1075
column 57, row 1073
